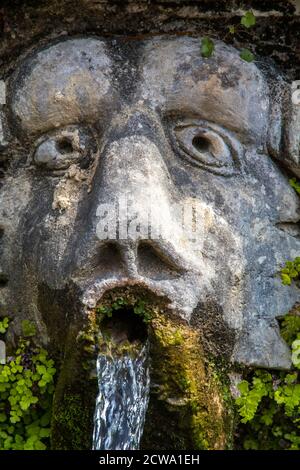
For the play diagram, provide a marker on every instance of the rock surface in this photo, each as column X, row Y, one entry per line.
column 107, row 140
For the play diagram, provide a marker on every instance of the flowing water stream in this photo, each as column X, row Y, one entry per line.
column 122, row 401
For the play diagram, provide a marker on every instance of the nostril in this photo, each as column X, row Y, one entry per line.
column 3, row 280
column 152, row 263
column 109, row 259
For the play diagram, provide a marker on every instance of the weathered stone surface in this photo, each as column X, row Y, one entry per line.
column 24, row 24
column 2, row 352
column 96, row 122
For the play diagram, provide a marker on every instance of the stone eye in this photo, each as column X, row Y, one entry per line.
column 208, row 146
column 64, row 147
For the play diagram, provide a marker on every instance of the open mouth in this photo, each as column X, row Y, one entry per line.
column 123, row 326
column 123, row 373
column 151, row 387
column 125, row 316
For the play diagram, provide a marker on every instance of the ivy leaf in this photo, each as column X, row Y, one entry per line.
column 38, row 445
column 243, row 386
column 295, row 184
column 286, row 280
column 248, row 20
column 247, row 55
column 28, row 328
column 4, row 325
column 44, row 432
column 207, row 47
column 296, row 353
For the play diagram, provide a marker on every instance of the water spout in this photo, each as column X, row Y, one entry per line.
column 122, row 401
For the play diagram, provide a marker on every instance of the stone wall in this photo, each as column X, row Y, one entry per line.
column 26, row 23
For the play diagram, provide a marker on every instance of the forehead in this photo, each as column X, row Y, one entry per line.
column 60, row 82
column 224, row 88
column 79, row 78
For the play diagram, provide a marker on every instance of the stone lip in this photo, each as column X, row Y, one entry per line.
column 93, row 294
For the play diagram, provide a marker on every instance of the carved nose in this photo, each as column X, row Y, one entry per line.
column 145, row 258
column 135, row 208
column 133, row 169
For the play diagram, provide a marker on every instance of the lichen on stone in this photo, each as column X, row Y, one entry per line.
column 190, row 404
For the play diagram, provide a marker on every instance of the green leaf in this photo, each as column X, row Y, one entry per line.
column 286, row 280
column 38, row 445
column 296, row 353
column 4, row 325
column 243, row 386
column 207, row 47
column 247, row 55
column 44, row 432
column 248, row 20
column 28, row 328
column 231, row 29
column 295, row 184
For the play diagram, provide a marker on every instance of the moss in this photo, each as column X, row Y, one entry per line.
column 28, row 328
column 73, row 420
column 75, row 394
column 190, row 406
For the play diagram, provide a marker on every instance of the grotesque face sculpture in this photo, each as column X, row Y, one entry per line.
column 142, row 163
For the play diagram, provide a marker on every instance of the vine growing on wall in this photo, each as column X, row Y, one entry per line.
column 269, row 401
column 26, row 390
column 247, row 21
column 291, row 270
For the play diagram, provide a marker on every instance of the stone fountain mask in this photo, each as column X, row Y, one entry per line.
column 143, row 163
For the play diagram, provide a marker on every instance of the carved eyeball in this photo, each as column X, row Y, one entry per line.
column 208, row 146
column 63, row 148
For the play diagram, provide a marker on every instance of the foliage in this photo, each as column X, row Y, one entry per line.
column 139, row 308
column 296, row 352
column 290, row 327
column 28, row 328
column 252, row 394
column 4, row 325
column 269, row 402
column 26, row 389
column 295, row 184
column 247, row 55
column 190, row 403
column 207, row 47
column 248, row 20
column 290, row 271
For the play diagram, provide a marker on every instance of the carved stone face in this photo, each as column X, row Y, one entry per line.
column 151, row 130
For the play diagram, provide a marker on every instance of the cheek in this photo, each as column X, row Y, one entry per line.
column 66, row 196
column 221, row 250
column 213, row 237
column 48, row 227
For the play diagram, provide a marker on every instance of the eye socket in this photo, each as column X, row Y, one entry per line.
column 62, row 148
column 201, row 144
column 208, row 146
